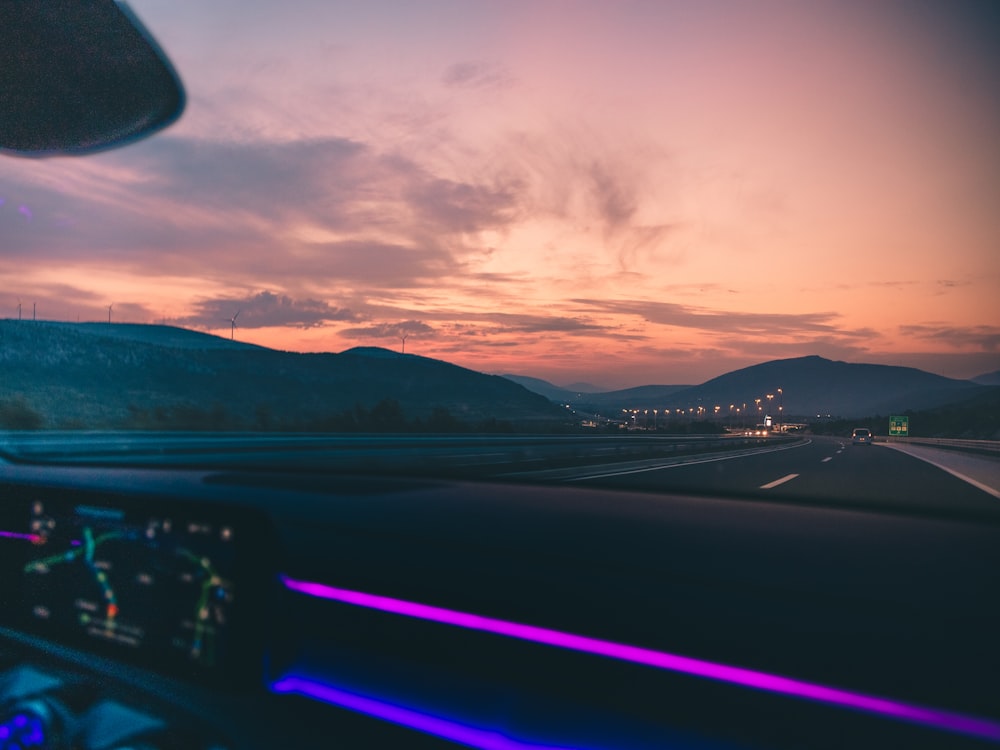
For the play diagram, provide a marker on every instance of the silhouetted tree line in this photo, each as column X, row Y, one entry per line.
column 387, row 416
column 15, row 414
column 678, row 427
column 975, row 419
column 182, row 417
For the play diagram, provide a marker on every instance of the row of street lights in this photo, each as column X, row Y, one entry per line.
column 701, row 411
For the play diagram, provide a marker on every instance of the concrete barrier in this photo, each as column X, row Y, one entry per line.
column 977, row 446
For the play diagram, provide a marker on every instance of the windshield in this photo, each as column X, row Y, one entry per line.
column 522, row 374
column 615, row 207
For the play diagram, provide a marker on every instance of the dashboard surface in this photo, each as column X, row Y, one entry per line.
column 241, row 609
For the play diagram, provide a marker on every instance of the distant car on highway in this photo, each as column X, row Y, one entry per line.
column 861, row 436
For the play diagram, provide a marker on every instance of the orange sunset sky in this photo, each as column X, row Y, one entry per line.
column 614, row 192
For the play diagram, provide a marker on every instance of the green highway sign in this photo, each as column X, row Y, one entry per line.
column 899, row 426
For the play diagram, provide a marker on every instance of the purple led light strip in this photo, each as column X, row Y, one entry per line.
column 946, row 720
column 444, row 728
column 19, row 535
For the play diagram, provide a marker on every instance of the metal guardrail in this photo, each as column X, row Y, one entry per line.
column 984, row 446
column 467, row 455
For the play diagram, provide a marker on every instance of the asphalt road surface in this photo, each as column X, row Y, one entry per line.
column 824, row 471
column 821, row 470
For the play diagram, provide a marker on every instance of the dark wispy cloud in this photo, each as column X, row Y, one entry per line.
column 502, row 323
column 375, row 265
column 718, row 321
column 396, row 330
column 319, row 209
column 57, row 301
column 615, row 198
column 131, row 312
column 333, row 183
column 847, row 348
column 267, row 178
column 264, row 310
column 461, row 206
column 476, row 75
column 638, row 242
column 985, row 338
column 473, row 323
column 890, row 284
column 461, row 347
column 573, row 173
column 961, row 365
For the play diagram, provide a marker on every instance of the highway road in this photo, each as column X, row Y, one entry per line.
column 813, row 470
column 819, row 470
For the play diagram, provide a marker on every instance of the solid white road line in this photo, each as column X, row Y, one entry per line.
column 672, row 463
column 975, row 483
column 964, row 477
column 776, row 482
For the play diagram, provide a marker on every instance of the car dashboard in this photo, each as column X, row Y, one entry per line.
column 200, row 608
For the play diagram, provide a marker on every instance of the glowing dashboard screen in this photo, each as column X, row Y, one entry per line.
column 151, row 582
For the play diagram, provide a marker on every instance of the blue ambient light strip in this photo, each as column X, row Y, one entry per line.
column 939, row 719
column 485, row 739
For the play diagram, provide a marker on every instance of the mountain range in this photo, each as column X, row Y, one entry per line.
column 809, row 387
column 600, row 400
column 987, row 378
column 109, row 376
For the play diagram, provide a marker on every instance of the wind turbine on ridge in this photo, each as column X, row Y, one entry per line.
column 232, row 324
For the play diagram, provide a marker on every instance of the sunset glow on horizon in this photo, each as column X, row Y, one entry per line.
column 620, row 193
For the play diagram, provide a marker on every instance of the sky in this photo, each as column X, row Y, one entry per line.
column 618, row 193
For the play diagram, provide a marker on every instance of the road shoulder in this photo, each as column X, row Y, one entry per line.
column 980, row 471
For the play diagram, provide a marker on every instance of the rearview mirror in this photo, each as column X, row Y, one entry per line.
column 78, row 76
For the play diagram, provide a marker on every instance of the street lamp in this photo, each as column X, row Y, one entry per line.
column 781, row 408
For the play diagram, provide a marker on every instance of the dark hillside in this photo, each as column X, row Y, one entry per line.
column 92, row 376
column 168, row 336
column 814, row 385
column 977, row 418
column 629, row 398
column 589, row 400
column 988, row 378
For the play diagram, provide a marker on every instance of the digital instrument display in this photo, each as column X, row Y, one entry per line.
column 155, row 583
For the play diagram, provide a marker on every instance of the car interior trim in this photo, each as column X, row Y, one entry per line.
column 447, row 729
column 893, row 709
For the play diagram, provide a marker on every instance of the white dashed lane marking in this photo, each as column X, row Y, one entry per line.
column 776, row 482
